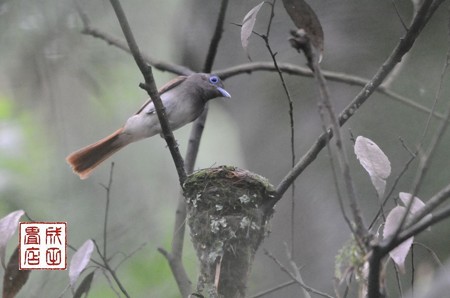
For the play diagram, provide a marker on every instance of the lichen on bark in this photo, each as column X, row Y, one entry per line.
column 228, row 213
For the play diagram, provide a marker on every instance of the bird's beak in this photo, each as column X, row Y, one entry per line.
column 224, row 92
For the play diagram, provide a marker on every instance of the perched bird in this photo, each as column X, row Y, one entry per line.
column 184, row 99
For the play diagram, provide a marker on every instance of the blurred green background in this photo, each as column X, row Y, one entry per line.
column 61, row 90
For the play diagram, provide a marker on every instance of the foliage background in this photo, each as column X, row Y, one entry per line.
column 60, row 90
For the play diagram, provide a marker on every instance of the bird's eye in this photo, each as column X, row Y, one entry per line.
column 214, row 79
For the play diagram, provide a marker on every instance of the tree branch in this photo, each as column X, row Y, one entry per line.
column 432, row 204
column 295, row 277
column 175, row 256
column 290, row 103
column 152, row 91
column 403, row 46
column 438, row 216
column 329, row 75
column 361, row 231
column 119, row 43
column 217, row 36
column 435, row 141
column 110, row 270
column 247, row 67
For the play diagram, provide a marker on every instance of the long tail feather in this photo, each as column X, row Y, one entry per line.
column 85, row 160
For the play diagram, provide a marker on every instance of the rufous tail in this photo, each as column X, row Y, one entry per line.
column 85, row 160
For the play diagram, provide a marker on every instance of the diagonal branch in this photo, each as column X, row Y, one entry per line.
column 403, row 46
column 296, row 277
column 151, row 89
column 121, row 44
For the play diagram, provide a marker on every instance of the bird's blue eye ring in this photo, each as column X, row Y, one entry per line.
column 214, row 79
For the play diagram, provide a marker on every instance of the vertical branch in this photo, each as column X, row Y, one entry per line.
column 199, row 124
column 334, row 171
column 105, row 221
column 303, row 41
column 174, row 257
column 291, row 117
column 361, row 229
column 217, row 36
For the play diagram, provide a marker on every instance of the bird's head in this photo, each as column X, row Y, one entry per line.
column 209, row 85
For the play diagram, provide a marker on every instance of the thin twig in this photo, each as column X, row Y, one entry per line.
column 297, row 273
column 385, row 246
column 414, row 154
column 104, row 271
column 152, row 91
column 335, row 175
column 274, row 289
column 105, row 221
column 418, row 23
column 265, row 38
column 413, row 271
column 128, row 256
column 291, row 275
column 387, row 196
column 403, row 46
column 430, row 251
column 121, row 44
column 438, row 216
column 398, row 15
column 361, row 229
column 397, row 278
column 432, row 204
column 426, row 159
column 110, row 270
column 437, row 96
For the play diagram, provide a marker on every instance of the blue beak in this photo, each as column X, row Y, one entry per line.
column 224, row 92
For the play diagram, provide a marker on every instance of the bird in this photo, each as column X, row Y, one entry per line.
column 184, row 99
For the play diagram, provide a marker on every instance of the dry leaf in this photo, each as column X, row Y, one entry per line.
column 305, row 18
column 14, row 278
column 416, row 206
column 8, row 226
column 248, row 24
column 85, row 285
column 374, row 161
column 80, row 260
column 399, row 253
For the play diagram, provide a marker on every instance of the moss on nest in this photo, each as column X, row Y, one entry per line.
column 228, row 220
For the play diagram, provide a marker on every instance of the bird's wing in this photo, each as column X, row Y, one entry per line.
column 169, row 85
